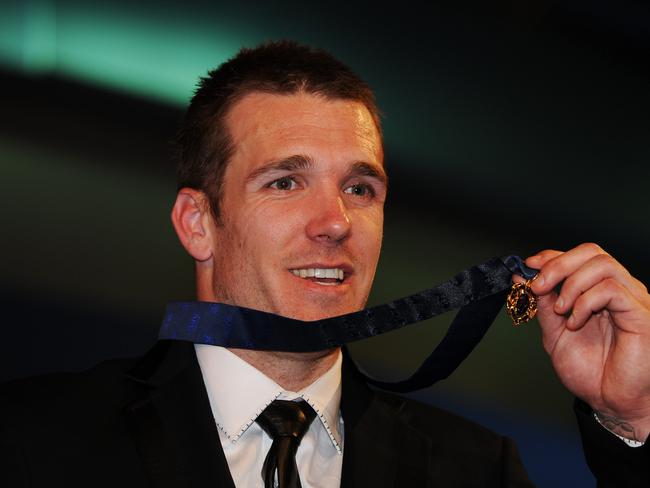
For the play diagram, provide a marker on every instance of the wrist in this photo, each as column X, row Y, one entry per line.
column 630, row 442
column 632, row 429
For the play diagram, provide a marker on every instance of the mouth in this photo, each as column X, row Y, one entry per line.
column 322, row 276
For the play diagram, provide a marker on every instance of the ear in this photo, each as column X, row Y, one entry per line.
column 191, row 217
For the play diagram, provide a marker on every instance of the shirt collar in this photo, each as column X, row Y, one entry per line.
column 238, row 392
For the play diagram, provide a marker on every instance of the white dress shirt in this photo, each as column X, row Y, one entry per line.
column 238, row 393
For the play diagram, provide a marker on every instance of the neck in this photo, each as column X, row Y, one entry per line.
column 292, row 371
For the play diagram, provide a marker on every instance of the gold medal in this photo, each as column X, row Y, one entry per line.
column 521, row 303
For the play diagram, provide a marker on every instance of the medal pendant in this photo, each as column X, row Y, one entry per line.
column 521, row 303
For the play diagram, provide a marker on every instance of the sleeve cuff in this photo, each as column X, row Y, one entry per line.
column 611, row 460
column 629, row 442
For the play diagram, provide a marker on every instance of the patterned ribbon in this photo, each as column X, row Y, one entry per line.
column 479, row 292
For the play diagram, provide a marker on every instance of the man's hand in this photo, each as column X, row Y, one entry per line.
column 597, row 333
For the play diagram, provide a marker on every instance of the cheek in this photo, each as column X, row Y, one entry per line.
column 268, row 225
column 371, row 230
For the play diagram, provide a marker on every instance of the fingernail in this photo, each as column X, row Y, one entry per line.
column 570, row 322
column 539, row 280
column 559, row 304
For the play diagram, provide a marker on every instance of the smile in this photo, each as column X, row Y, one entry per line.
column 322, row 276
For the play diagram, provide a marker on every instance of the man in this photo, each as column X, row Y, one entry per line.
column 280, row 204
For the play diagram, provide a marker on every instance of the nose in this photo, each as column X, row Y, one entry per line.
column 329, row 222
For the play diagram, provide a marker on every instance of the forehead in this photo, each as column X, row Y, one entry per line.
column 265, row 126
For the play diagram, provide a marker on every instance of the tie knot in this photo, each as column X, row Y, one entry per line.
column 286, row 419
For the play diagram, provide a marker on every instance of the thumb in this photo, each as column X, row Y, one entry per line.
column 550, row 322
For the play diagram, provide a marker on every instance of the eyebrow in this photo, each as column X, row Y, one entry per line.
column 361, row 168
column 301, row 162
column 292, row 163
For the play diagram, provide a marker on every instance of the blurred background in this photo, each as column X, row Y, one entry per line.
column 510, row 127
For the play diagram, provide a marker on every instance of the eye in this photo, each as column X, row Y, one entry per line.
column 285, row 183
column 360, row 190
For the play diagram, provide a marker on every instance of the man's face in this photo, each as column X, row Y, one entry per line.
column 302, row 209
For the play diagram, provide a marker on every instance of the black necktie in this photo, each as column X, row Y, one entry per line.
column 285, row 422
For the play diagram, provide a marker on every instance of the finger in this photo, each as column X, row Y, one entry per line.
column 537, row 261
column 560, row 267
column 541, row 258
column 608, row 296
column 518, row 279
column 592, row 272
column 551, row 324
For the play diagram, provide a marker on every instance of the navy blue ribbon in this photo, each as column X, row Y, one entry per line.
column 479, row 292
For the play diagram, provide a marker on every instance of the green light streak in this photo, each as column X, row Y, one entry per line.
column 147, row 53
column 39, row 40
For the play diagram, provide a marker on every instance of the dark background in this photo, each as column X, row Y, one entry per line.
column 510, row 127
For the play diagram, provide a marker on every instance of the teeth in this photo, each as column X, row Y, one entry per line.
column 333, row 273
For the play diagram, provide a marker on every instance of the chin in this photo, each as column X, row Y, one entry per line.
column 310, row 314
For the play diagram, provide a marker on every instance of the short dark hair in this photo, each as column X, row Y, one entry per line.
column 282, row 67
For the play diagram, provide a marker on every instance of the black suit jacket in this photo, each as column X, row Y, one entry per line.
column 148, row 423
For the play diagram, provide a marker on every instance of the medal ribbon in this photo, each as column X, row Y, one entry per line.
column 479, row 292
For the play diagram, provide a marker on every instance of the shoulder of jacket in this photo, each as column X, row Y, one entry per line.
column 49, row 390
column 436, row 421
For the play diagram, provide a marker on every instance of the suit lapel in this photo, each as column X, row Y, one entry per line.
column 379, row 449
column 169, row 417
